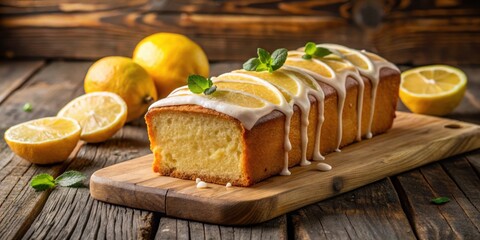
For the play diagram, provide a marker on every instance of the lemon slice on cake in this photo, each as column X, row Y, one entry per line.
column 101, row 115
column 253, row 89
column 45, row 140
column 433, row 90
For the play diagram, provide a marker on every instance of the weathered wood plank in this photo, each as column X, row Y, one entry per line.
column 14, row 74
column 72, row 213
column 468, row 182
column 402, row 31
column 251, row 7
column 448, row 221
column 171, row 228
column 48, row 91
column 371, row 212
column 474, row 159
column 35, row 6
column 104, row 33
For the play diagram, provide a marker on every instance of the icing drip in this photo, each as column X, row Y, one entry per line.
column 378, row 64
column 291, row 86
column 317, row 92
column 287, row 147
column 361, row 90
column 337, row 80
column 365, row 67
column 324, row 167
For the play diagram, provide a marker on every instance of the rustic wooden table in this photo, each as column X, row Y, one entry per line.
column 393, row 208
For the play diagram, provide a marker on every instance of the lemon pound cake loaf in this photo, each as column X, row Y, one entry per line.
column 258, row 123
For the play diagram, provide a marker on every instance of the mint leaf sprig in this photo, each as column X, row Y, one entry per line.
column 27, row 107
column 440, row 200
column 265, row 61
column 311, row 50
column 44, row 181
column 199, row 84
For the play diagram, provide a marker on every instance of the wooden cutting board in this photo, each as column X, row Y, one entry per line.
column 414, row 140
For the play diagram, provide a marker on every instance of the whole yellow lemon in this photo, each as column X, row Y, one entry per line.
column 121, row 75
column 170, row 58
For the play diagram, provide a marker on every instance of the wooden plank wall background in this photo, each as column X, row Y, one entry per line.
column 404, row 31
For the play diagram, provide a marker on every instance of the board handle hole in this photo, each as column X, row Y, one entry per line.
column 453, row 126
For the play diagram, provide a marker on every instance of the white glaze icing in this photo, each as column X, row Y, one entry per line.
column 202, row 184
column 378, row 63
column 306, row 84
column 324, row 167
column 317, row 92
column 336, row 80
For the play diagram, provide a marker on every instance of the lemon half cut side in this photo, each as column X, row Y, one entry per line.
column 433, row 90
column 45, row 140
column 101, row 115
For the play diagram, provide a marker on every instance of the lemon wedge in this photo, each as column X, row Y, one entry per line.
column 433, row 90
column 45, row 140
column 101, row 115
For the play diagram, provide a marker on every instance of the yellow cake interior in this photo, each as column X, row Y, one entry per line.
column 206, row 140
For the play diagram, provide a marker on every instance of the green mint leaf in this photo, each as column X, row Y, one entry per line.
column 209, row 82
column 262, row 67
column 263, row 55
column 265, row 61
column 70, row 179
column 307, row 57
column 279, row 57
column 322, row 52
column 251, row 64
column 440, row 200
column 27, row 107
column 310, row 48
column 210, row 90
column 197, row 83
column 42, row 182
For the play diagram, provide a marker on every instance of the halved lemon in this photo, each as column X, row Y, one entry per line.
column 101, row 115
column 433, row 90
column 45, row 140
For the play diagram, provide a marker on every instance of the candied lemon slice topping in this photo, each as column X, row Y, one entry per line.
column 251, row 88
column 236, row 98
